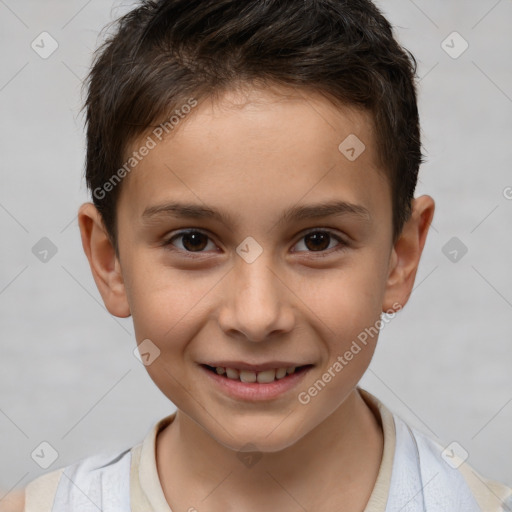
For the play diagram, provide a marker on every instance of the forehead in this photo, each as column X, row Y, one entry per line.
column 264, row 148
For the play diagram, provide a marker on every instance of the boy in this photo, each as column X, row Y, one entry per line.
column 283, row 136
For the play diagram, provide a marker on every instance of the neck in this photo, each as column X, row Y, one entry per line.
column 338, row 460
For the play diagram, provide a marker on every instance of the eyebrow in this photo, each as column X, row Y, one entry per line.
column 295, row 213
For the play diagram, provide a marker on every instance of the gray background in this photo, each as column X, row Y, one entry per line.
column 67, row 372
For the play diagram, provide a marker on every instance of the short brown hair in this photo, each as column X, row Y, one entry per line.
column 165, row 52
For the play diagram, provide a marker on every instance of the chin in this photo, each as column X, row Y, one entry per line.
column 259, row 437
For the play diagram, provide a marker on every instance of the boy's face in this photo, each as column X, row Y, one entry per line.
column 212, row 298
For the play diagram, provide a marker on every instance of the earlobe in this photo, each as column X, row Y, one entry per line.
column 406, row 254
column 103, row 261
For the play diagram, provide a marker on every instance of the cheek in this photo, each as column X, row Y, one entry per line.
column 166, row 306
column 348, row 300
column 167, row 309
column 170, row 307
column 346, row 310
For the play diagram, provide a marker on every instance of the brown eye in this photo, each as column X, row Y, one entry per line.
column 320, row 241
column 191, row 241
column 317, row 241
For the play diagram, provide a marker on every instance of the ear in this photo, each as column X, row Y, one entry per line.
column 406, row 253
column 105, row 266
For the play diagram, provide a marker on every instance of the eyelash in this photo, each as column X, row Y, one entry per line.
column 326, row 252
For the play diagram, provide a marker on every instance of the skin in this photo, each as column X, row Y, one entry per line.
column 12, row 502
column 253, row 154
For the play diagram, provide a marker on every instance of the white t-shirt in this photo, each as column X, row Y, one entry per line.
column 412, row 477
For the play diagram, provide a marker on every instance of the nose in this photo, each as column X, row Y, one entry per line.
column 257, row 303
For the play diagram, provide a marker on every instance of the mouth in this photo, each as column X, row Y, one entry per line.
column 264, row 375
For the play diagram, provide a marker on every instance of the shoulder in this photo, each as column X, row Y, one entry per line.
column 447, row 481
column 104, row 476
column 40, row 492
column 490, row 495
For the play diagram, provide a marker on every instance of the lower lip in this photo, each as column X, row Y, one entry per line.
column 254, row 391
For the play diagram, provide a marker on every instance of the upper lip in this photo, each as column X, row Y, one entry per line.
column 260, row 367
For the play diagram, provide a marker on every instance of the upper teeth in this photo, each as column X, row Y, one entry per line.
column 264, row 376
